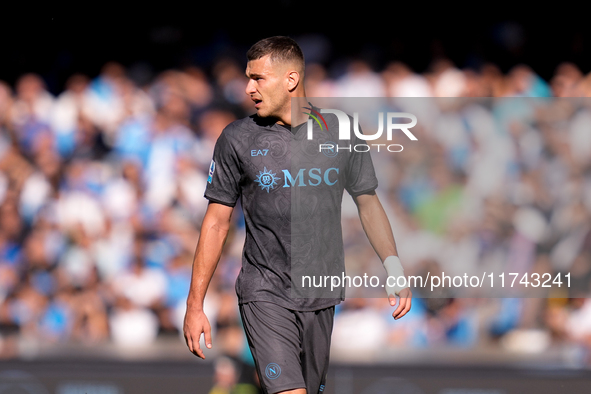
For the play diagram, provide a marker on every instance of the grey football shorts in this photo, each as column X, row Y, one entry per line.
column 291, row 348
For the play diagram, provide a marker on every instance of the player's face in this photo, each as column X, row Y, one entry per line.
column 267, row 87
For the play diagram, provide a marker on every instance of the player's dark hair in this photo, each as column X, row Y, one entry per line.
column 281, row 48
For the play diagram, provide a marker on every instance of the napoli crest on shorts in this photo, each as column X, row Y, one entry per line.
column 273, row 371
column 266, row 179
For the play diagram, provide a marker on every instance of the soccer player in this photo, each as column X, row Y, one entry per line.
column 291, row 198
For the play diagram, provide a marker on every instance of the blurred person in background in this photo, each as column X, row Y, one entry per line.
column 33, row 102
column 402, row 82
column 317, row 82
column 360, row 81
column 226, row 379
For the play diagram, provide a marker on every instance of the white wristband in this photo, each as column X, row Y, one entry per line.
column 395, row 271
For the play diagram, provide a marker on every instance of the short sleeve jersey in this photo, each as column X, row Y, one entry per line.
column 291, row 190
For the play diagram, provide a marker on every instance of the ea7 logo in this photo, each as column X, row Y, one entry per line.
column 345, row 125
column 259, row 152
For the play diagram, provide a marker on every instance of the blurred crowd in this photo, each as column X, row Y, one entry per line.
column 101, row 199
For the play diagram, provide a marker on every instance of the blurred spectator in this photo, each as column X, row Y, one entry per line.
column 360, row 81
column 402, row 82
column 132, row 325
column 33, row 102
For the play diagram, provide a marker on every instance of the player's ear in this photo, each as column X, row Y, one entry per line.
column 293, row 80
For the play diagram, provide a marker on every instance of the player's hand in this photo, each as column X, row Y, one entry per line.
column 195, row 324
column 405, row 297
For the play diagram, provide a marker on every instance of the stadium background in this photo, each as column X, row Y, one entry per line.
column 100, row 212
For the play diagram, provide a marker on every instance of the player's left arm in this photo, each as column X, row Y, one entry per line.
column 379, row 232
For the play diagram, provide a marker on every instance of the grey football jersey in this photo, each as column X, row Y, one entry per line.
column 291, row 193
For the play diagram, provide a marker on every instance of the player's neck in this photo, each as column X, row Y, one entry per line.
column 293, row 115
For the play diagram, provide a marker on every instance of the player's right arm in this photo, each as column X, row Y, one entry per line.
column 214, row 231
